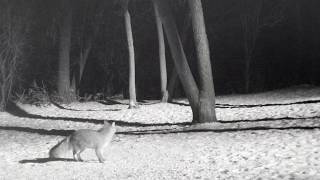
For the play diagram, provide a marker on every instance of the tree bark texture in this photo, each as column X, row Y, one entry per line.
column 64, row 55
column 179, row 57
column 207, row 94
column 174, row 76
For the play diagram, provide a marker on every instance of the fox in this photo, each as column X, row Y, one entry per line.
column 83, row 139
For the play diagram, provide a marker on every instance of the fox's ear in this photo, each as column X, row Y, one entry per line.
column 113, row 124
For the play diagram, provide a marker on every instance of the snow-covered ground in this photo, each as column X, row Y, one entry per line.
column 155, row 141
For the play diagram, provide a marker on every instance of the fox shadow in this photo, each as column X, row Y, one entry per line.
column 45, row 160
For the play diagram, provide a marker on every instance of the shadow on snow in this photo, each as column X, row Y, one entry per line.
column 15, row 110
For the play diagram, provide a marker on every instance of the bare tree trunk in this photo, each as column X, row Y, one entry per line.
column 315, row 62
column 5, row 80
column 83, row 58
column 84, row 53
column 247, row 74
column 132, row 79
column 64, row 56
column 301, row 59
column 172, row 84
column 174, row 76
column 207, row 95
column 246, row 36
column 250, row 22
column 78, row 73
column 179, row 57
column 86, row 44
column 162, row 56
column 73, row 85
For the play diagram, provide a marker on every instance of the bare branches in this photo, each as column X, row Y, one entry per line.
column 13, row 29
column 254, row 15
column 275, row 13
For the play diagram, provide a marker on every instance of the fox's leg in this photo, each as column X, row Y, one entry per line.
column 99, row 155
column 76, row 153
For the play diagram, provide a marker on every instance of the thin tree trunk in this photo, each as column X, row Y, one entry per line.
column 162, row 56
column 247, row 31
column 247, row 56
column 87, row 46
column 301, row 61
column 315, row 62
column 172, row 84
column 132, row 80
column 83, row 58
column 247, row 72
column 3, row 84
column 73, row 85
column 64, row 56
column 179, row 57
column 207, row 95
column 84, row 54
column 250, row 22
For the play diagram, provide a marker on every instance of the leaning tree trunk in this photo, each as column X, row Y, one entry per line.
column 64, row 56
column 206, row 90
column 174, row 76
column 83, row 58
column 162, row 56
column 78, row 73
column 179, row 57
column 132, row 79
column 87, row 46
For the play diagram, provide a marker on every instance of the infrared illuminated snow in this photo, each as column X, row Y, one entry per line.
column 267, row 142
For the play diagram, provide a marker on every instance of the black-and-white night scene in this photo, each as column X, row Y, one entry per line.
column 160, row 89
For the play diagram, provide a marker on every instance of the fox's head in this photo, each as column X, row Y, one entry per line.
column 111, row 126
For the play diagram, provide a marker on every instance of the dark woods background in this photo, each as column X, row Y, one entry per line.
column 280, row 39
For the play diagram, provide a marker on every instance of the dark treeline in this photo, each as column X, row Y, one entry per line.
column 255, row 45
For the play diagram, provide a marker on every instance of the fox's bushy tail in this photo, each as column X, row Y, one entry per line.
column 60, row 150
